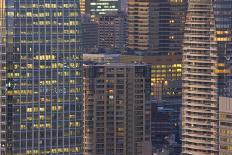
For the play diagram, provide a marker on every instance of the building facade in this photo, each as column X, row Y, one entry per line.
column 225, row 125
column 166, row 72
column 116, row 109
column 112, row 32
column 89, row 35
column 41, row 77
column 138, row 24
column 166, row 92
column 200, row 96
column 167, row 25
column 223, row 14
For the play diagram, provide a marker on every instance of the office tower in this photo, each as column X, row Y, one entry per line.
column 116, row 108
column 225, row 126
column 112, row 32
column 89, row 35
column 200, row 105
column 165, row 74
column 41, row 83
column 138, row 24
column 167, row 25
column 97, row 8
column 223, row 14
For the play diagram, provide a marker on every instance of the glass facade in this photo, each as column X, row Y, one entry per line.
column 167, row 25
column 223, row 14
column 41, row 77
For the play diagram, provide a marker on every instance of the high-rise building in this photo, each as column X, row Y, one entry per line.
column 167, row 25
column 138, row 24
column 112, row 32
column 89, row 35
column 41, row 77
column 116, row 109
column 200, row 96
column 225, row 125
column 223, row 14
column 166, row 91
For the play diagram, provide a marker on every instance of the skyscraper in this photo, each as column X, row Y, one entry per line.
column 200, row 99
column 41, row 83
column 223, row 19
column 166, row 91
column 167, row 25
column 89, row 35
column 138, row 24
column 116, row 109
column 112, row 32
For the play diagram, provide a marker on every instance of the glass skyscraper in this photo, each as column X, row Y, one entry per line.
column 41, row 76
column 223, row 19
column 167, row 25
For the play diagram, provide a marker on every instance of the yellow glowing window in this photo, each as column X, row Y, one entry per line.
column 11, row 14
column 223, row 39
column 29, row 118
column 74, row 124
column 29, row 66
column 77, row 73
column 29, row 14
column 23, row 126
column 74, row 65
column 41, row 117
column 221, row 64
column 58, row 14
column 56, row 108
column 72, row 81
column 73, row 14
column 45, row 57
